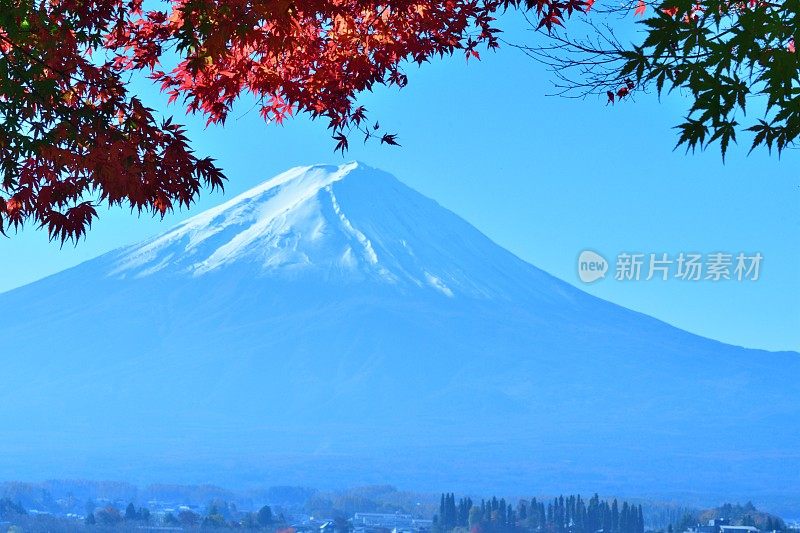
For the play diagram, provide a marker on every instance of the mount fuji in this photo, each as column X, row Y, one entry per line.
column 333, row 327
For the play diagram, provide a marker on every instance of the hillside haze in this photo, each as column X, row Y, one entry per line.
column 333, row 327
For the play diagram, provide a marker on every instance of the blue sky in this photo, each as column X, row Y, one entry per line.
column 546, row 177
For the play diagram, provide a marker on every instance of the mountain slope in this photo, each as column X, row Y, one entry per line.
column 332, row 326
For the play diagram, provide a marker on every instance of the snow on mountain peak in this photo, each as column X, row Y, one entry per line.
column 349, row 223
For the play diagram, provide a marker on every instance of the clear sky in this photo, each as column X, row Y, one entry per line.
column 545, row 177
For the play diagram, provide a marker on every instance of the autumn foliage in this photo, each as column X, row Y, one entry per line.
column 73, row 136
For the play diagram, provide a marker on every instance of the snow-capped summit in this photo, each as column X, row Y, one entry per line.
column 290, row 221
column 345, row 223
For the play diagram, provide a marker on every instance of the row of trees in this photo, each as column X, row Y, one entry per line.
column 216, row 516
column 570, row 514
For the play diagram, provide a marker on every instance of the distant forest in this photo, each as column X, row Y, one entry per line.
column 569, row 514
column 573, row 514
column 55, row 506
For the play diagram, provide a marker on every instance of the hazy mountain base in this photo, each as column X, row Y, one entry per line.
column 69, row 505
column 400, row 431
column 63, row 497
column 146, row 365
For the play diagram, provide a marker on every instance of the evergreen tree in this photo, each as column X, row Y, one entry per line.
column 624, row 519
column 464, row 506
column 264, row 516
column 542, row 516
column 533, row 515
column 130, row 512
column 640, row 528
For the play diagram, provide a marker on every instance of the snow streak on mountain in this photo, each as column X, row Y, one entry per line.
column 312, row 222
